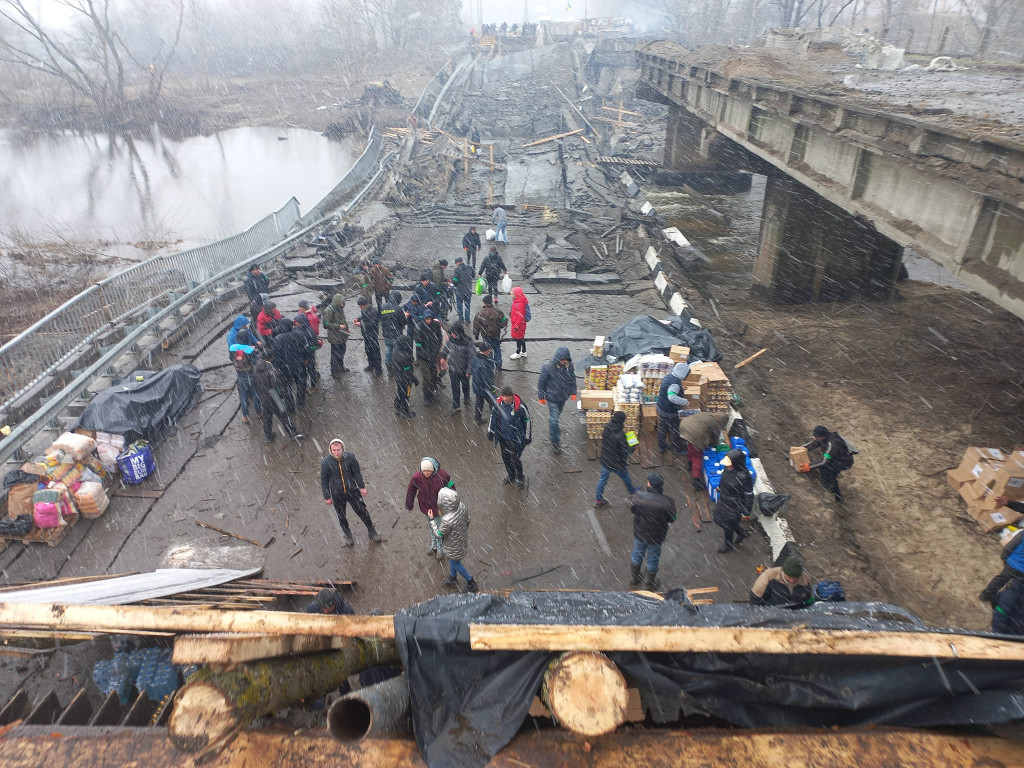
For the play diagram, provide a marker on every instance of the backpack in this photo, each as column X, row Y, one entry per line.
column 829, row 592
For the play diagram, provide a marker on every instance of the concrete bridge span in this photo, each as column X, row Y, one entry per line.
column 849, row 184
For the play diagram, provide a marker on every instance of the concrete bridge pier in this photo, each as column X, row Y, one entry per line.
column 812, row 250
column 709, row 162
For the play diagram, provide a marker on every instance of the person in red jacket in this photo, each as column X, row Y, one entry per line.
column 425, row 484
column 268, row 317
column 519, row 316
column 311, row 315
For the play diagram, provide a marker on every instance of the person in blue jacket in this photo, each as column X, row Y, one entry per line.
column 557, row 383
column 482, row 368
column 510, row 426
column 241, row 322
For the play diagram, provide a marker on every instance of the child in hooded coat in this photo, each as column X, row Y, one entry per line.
column 519, row 316
column 450, row 524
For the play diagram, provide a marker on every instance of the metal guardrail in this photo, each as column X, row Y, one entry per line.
column 464, row 62
column 40, row 349
column 359, row 170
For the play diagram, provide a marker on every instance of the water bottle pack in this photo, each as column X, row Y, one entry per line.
column 147, row 669
column 713, row 468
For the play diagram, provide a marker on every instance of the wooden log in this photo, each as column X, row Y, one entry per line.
column 215, row 706
column 374, row 711
column 226, row 649
column 130, row 618
column 585, row 692
column 552, row 138
column 554, row 637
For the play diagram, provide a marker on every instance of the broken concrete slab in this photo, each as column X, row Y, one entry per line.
column 582, row 278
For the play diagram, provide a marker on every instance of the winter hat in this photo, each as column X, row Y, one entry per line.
column 792, row 568
column 427, row 463
column 339, row 441
column 619, row 417
column 428, row 315
column 459, row 260
column 655, row 480
column 483, row 346
column 325, row 598
column 424, row 276
column 243, row 337
column 488, row 300
column 395, row 297
column 377, row 261
column 443, row 262
column 820, row 431
column 303, row 304
column 362, row 301
column 269, row 306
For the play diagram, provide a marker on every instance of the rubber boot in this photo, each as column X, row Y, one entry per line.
column 651, row 583
column 374, row 535
column 346, row 538
column 471, row 586
column 634, row 574
column 450, row 581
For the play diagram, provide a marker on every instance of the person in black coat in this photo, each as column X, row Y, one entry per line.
column 313, row 343
column 429, row 341
column 256, row 283
column 269, row 385
column 342, row 484
column 392, row 324
column 369, row 322
column 735, row 499
column 471, row 244
column 458, row 355
column 403, row 368
column 492, row 268
column 652, row 512
column 291, row 350
column 614, row 456
column 835, row 458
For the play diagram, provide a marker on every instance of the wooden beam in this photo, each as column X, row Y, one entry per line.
column 562, row 637
column 622, row 111
column 31, row 747
column 552, row 138
column 754, row 356
column 129, row 618
column 233, row 649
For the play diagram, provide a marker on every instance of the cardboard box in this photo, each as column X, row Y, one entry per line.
column 1009, row 481
column 679, row 354
column 994, row 520
column 649, row 415
column 798, row 456
column 989, row 472
column 957, row 477
column 974, row 456
column 597, row 399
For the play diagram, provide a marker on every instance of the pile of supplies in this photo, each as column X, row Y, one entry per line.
column 708, row 383
column 984, row 475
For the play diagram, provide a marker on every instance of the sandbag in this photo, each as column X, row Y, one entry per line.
column 78, row 446
column 91, row 499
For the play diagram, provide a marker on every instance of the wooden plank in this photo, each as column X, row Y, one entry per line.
column 751, row 358
column 20, row 585
column 552, row 138
column 31, row 747
column 138, row 493
column 523, row 637
column 128, row 618
column 233, row 649
column 622, row 111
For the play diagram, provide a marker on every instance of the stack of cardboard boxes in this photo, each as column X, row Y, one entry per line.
column 985, row 474
column 708, row 383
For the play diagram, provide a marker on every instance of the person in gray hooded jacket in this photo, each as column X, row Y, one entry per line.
column 451, row 525
column 670, row 406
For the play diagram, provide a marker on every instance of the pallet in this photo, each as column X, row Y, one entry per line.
column 51, row 537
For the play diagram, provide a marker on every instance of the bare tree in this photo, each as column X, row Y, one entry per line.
column 986, row 17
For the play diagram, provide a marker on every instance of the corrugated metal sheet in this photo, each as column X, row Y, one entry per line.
column 129, row 589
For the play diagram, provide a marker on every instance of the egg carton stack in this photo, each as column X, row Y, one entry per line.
column 715, row 388
column 651, row 372
column 603, row 376
column 629, row 395
column 595, row 421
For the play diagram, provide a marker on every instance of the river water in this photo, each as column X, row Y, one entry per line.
column 110, row 188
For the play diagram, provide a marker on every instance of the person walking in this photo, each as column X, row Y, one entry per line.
column 557, row 383
column 256, row 283
column 464, row 285
column 700, row 431
column 369, row 323
column 291, row 350
column 510, row 426
column 499, row 220
column 489, row 323
column 382, row 280
column 482, row 369
column 392, row 324
column 670, row 406
column 451, row 526
column 269, row 386
column 491, row 269
column 337, row 333
column 652, row 512
column 458, row 356
column 403, row 370
column 614, row 457
column 423, row 489
column 342, row 484
column 243, row 355
column 471, row 244
column 735, row 500
column 519, row 316
column 835, row 458
column 429, row 340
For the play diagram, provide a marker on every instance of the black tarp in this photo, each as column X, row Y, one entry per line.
column 468, row 704
column 147, row 409
column 645, row 335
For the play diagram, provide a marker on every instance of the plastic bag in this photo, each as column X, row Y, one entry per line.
column 481, row 286
column 79, row 446
column 505, row 286
column 46, row 514
column 91, row 499
column 489, row 234
column 771, row 503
